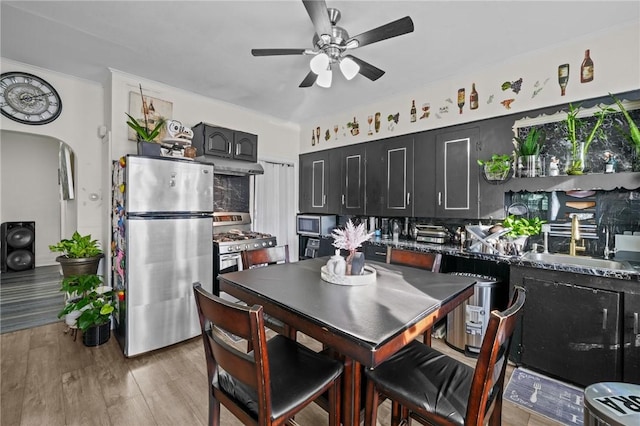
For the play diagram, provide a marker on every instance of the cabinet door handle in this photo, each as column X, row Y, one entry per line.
column 635, row 323
column 343, row 199
column 384, row 253
column 237, row 149
column 229, row 148
column 604, row 318
column 408, row 198
column 439, row 198
column 324, row 200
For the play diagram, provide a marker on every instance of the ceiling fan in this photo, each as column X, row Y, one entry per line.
column 331, row 45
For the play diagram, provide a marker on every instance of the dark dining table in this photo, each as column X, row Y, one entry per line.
column 365, row 324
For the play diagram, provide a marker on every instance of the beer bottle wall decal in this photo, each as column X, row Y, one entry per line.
column 473, row 97
column 461, row 96
column 563, row 77
column 586, row 70
column 413, row 111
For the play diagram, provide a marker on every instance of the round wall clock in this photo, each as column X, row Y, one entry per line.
column 28, row 99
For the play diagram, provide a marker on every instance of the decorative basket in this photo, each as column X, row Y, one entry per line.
column 367, row 277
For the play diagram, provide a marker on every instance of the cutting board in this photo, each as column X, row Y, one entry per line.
column 580, row 205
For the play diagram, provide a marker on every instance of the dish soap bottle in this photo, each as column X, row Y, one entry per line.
column 337, row 265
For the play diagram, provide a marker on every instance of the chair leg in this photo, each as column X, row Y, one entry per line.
column 399, row 414
column 334, row 403
column 214, row 411
column 496, row 415
column 371, row 405
column 426, row 337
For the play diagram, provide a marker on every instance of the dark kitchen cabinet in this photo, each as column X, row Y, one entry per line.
column 319, row 182
column 456, row 173
column 389, row 178
column 225, row 143
column 424, row 198
column 631, row 339
column 570, row 329
column 352, row 172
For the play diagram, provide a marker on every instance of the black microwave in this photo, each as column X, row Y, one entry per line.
column 315, row 225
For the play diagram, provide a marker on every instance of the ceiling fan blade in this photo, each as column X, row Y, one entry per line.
column 309, row 79
column 272, row 52
column 317, row 10
column 366, row 69
column 392, row 29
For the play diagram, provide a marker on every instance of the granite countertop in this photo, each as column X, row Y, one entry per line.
column 456, row 250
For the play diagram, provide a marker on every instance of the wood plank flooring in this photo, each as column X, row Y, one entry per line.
column 48, row 379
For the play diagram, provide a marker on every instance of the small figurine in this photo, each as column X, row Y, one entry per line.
column 609, row 162
column 554, row 169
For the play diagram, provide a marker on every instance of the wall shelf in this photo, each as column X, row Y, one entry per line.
column 594, row 181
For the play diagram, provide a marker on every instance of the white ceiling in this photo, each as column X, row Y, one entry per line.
column 204, row 46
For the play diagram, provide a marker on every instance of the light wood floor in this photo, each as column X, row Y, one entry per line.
column 48, row 379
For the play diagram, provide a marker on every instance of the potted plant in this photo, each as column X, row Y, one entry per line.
column 576, row 129
column 80, row 254
column 527, row 150
column 633, row 134
column 90, row 304
column 143, row 130
column 521, row 229
column 497, row 167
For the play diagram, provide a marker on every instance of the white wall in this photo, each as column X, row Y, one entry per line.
column 29, row 187
column 82, row 113
column 616, row 56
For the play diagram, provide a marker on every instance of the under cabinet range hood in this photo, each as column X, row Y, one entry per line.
column 225, row 166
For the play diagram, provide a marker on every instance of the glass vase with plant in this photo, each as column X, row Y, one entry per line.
column 527, row 150
column 350, row 239
column 581, row 137
column 632, row 135
column 497, row 167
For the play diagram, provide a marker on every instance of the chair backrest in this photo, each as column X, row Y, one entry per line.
column 417, row 259
column 265, row 256
column 251, row 369
column 491, row 365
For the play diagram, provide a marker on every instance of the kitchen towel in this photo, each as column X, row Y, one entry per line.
column 545, row 396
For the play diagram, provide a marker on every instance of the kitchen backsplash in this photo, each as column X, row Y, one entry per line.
column 230, row 193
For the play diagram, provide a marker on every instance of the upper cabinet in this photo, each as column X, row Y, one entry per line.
column 319, row 186
column 390, row 177
column 225, row 143
column 424, row 190
column 352, row 173
column 456, row 173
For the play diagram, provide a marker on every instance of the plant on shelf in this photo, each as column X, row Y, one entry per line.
column 633, row 134
column 576, row 129
column 90, row 303
column 527, row 150
column 143, row 130
column 521, row 226
column 80, row 254
column 497, row 167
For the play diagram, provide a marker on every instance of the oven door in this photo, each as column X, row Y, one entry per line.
column 223, row 263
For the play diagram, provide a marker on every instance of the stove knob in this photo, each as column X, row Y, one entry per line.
column 271, row 243
column 264, row 244
column 230, row 248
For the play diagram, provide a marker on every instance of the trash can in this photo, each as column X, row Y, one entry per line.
column 612, row 404
column 467, row 323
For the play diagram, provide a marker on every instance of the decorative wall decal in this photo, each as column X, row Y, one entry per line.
column 327, row 135
column 537, row 87
column 586, row 69
column 425, row 110
column 438, row 116
column 490, row 100
column 515, row 86
column 393, row 120
column 335, row 130
column 413, row 112
column 473, row 97
column 376, row 122
column 507, row 103
column 318, row 134
column 370, row 120
column 354, row 126
column 313, row 137
column 563, row 77
column 461, row 98
column 449, row 100
column 444, row 109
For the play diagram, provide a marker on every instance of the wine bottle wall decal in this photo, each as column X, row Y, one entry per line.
column 473, row 97
column 461, row 96
column 586, row 69
column 563, row 77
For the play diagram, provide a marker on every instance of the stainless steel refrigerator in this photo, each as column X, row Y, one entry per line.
column 162, row 244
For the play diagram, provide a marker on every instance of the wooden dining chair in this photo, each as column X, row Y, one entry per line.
column 265, row 257
column 416, row 259
column 270, row 384
column 435, row 389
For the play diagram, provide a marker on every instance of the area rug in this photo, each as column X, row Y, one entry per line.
column 550, row 398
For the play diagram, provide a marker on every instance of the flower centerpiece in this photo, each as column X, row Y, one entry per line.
column 350, row 239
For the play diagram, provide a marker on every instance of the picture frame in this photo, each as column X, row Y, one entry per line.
column 157, row 109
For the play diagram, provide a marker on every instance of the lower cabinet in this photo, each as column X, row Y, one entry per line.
column 631, row 339
column 572, row 327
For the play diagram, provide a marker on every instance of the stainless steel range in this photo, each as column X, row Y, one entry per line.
column 232, row 234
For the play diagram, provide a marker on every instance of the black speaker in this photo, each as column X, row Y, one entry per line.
column 18, row 246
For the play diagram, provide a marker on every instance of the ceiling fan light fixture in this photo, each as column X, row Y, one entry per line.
column 319, row 63
column 324, row 78
column 352, row 44
column 349, row 68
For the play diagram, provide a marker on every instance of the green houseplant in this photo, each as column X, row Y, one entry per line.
column 497, row 167
column 80, row 254
column 521, row 226
column 633, row 134
column 576, row 129
column 90, row 305
column 527, row 150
